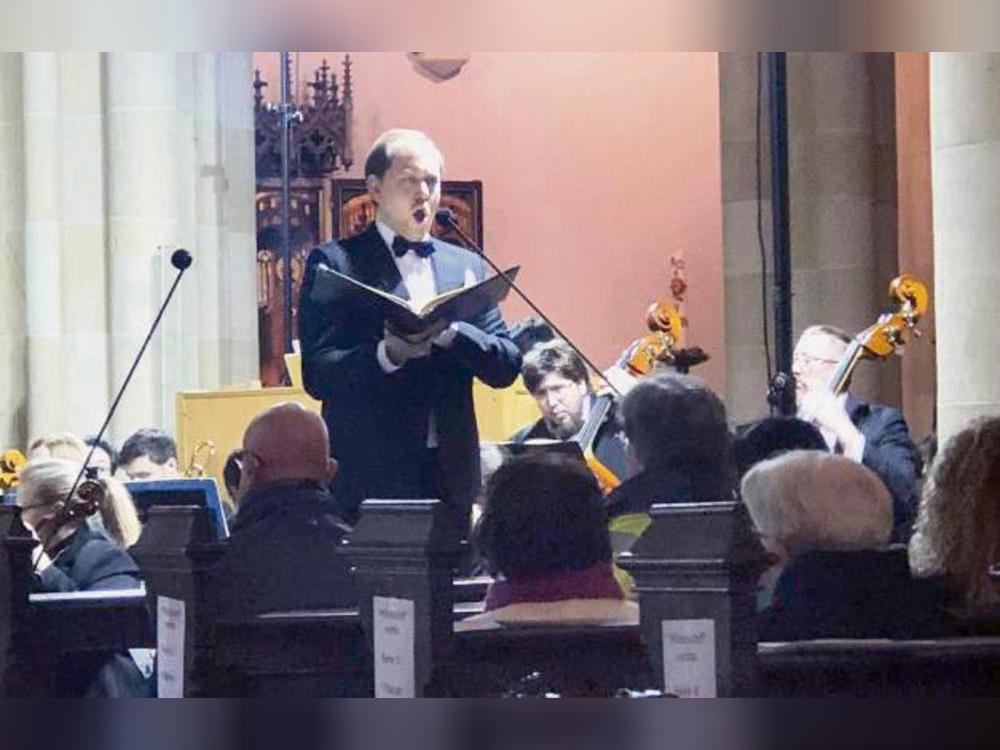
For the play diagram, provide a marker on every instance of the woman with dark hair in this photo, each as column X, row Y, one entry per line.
column 957, row 538
column 544, row 534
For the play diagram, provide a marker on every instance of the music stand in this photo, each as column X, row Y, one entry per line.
column 201, row 492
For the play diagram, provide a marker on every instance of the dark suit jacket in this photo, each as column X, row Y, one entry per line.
column 282, row 554
column 863, row 594
column 88, row 561
column 610, row 446
column 378, row 421
column 890, row 453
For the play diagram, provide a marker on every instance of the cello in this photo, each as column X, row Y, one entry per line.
column 663, row 320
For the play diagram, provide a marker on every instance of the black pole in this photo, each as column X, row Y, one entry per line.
column 286, row 249
column 778, row 105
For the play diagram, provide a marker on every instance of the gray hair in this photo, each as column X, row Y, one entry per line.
column 804, row 501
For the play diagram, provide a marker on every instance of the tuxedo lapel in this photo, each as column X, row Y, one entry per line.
column 374, row 264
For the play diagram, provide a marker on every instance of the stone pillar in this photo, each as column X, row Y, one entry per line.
column 842, row 184
column 13, row 363
column 965, row 143
column 64, row 242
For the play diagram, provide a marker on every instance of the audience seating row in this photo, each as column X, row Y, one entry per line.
column 696, row 562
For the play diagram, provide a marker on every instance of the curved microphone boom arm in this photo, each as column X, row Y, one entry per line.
column 181, row 260
column 445, row 218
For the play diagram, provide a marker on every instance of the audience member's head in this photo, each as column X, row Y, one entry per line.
column 284, row 443
column 149, row 454
column 44, row 485
column 773, row 436
column 557, row 378
column 104, row 458
column 676, row 421
column 811, row 501
column 62, row 445
column 544, row 514
column 957, row 534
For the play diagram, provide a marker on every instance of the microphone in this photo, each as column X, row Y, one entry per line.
column 781, row 394
column 181, row 260
column 445, row 217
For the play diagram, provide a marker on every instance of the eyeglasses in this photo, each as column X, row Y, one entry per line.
column 809, row 359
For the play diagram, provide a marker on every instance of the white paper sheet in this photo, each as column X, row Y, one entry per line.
column 689, row 658
column 394, row 648
column 169, row 647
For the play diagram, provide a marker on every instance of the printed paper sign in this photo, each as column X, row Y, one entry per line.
column 394, row 650
column 689, row 658
column 169, row 647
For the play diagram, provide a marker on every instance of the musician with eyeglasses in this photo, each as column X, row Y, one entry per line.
column 872, row 434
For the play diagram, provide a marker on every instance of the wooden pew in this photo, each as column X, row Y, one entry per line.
column 38, row 631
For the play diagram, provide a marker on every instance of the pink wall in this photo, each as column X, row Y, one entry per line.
column 596, row 168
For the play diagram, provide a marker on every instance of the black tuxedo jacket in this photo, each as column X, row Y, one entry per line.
column 890, row 453
column 377, row 421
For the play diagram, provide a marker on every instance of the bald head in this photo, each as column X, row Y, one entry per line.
column 286, row 442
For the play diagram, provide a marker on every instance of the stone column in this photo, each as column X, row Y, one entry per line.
column 842, row 175
column 13, row 362
column 64, row 242
column 965, row 143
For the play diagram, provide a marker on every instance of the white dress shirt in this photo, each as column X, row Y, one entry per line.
column 830, row 438
column 418, row 277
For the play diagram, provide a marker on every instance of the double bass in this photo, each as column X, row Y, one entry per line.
column 888, row 334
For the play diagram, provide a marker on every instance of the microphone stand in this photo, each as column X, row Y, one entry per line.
column 446, row 218
column 181, row 260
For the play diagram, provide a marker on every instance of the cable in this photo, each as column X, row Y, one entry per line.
column 760, row 230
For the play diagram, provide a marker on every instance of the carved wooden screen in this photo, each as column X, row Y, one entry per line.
column 308, row 215
column 353, row 209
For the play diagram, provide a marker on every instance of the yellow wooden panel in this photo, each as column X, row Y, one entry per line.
column 223, row 416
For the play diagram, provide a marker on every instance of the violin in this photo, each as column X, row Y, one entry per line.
column 90, row 495
column 889, row 333
column 11, row 462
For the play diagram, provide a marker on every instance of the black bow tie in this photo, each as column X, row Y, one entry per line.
column 401, row 246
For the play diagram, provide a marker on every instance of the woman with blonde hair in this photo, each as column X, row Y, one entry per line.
column 76, row 555
column 64, row 445
column 957, row 537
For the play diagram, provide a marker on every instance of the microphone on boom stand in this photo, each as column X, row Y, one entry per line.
column 181, row 260
column 446, row 218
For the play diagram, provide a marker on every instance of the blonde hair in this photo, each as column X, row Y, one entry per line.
column 47, row 481
column 957, row 533
column 805, row 501
column 63, row 445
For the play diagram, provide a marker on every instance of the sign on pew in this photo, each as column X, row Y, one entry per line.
column 170, row 647
column 689, row 658
column 395, row 676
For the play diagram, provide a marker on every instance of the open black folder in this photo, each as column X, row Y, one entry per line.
column 403, row 316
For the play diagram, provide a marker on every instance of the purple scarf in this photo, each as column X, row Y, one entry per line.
column 595, row 582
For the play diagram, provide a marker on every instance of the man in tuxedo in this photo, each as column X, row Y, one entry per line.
column 871, row 434
column 556, row 377
column 399, row 408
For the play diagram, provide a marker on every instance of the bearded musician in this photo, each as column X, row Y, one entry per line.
column 557, row 378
